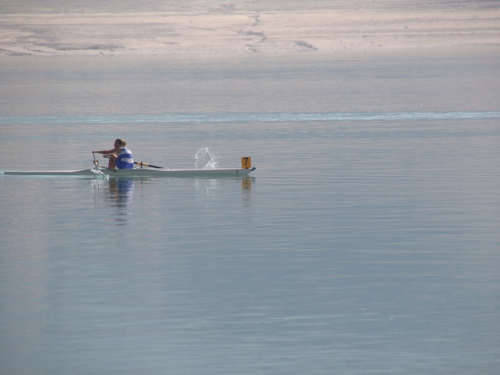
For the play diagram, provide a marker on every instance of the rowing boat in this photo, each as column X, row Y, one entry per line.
column 141, row 172
column 145, row 170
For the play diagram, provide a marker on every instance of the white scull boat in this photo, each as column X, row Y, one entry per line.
column 140, row 172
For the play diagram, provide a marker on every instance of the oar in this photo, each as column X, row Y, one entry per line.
column 96, row 162
column 146, row 164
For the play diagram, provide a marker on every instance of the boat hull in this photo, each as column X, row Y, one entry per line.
column 140, row 172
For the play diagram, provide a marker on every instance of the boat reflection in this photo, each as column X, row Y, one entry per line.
column 117, row 194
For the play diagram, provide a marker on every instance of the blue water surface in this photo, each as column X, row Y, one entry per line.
column 365, row 242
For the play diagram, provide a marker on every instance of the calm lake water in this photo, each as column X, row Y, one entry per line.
column 367, row 240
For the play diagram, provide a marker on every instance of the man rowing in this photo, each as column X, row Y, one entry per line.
column 120, row 157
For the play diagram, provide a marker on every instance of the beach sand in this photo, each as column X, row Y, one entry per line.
column 267, row 27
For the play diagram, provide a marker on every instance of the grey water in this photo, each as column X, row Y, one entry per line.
column 366, row 241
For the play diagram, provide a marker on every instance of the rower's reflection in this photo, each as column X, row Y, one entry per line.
column 121, row 190
column 117, row 193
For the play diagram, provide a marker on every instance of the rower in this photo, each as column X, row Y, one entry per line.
column 120, row 157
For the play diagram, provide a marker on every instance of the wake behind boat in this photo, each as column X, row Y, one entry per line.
column 145, row 170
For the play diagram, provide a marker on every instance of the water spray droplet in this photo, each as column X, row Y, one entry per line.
column 205, row 159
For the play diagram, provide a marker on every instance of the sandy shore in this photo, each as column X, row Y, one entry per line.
column 231, row 30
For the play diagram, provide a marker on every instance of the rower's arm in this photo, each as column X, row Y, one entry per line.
column 103, row 152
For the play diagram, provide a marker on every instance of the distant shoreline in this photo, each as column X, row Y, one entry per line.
column 325, row 32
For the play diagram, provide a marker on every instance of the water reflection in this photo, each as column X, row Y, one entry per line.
column 117, row 193
column 246, row 183
column 206, row 187
column 246, row 190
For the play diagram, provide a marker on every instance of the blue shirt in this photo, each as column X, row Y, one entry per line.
column 125, row 160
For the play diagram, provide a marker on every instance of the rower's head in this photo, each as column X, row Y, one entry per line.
column 120, row 142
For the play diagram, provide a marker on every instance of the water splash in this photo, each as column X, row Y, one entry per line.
column 205, row 159
column 100, row 174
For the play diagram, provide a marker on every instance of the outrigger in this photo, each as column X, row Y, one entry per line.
column 145, row 170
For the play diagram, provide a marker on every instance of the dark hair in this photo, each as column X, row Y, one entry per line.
column 122, row 142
